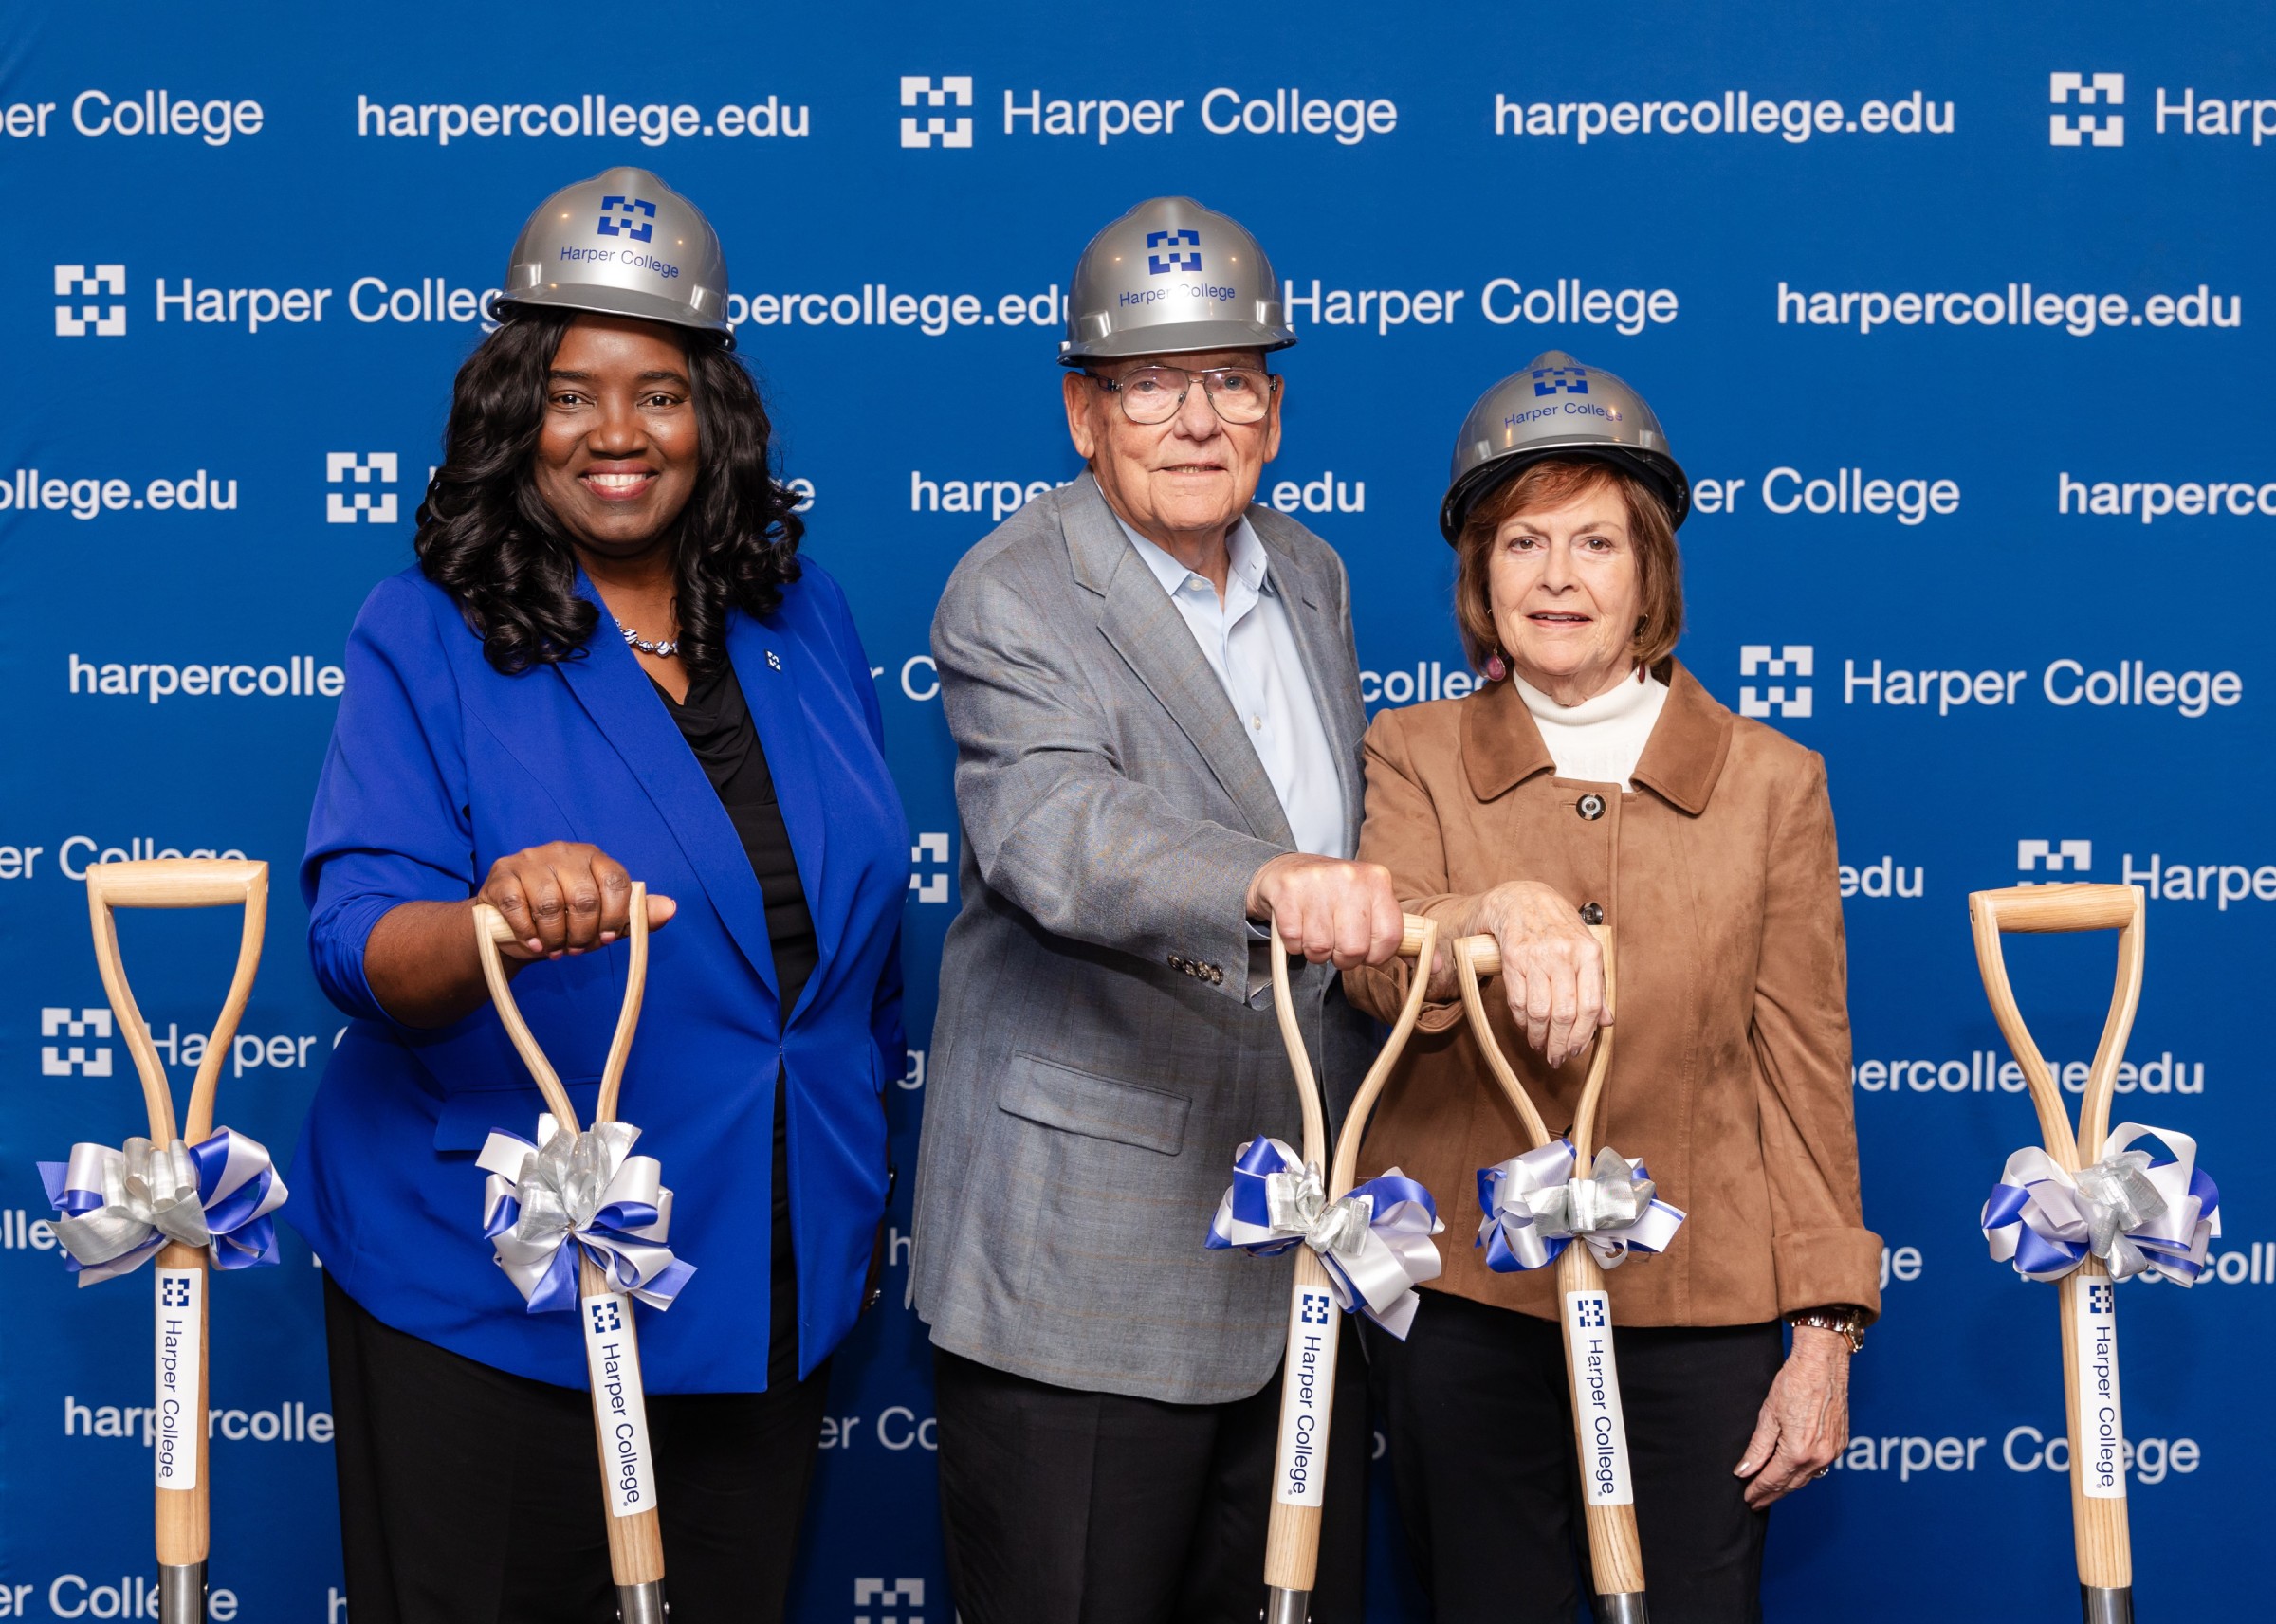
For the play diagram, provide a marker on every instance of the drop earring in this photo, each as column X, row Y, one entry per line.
column 1496, row 668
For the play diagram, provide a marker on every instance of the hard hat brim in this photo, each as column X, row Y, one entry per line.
column 616, row 302
column 1175, row 338
column 1662, row 474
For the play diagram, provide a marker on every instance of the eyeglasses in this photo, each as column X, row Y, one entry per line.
column 1154, row 394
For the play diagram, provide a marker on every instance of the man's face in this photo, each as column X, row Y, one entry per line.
column 1192, row 475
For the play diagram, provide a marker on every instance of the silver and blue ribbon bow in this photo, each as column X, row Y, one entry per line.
column 1535, row 1208
column 2138, row 1215
column 1375, row 1242
column 115, row 1208
column 587, row 1187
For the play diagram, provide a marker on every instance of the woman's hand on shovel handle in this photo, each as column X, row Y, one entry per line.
column 1553, row 971
column 421, row 962
column 565, row 897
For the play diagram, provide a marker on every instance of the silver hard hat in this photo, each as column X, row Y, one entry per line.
column 1558, row 407
column 622, row 244
column 1172, row 278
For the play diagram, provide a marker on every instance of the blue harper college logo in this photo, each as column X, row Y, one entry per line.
column 1164, row 265
column 1315, row 1311
column 607, row 1317
column 633, row 217
column 173, row 1293
column 1561, row 380
column 2100, row 1298
column 1590, row 1313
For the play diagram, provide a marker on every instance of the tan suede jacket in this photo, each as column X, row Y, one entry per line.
column 1731, row 1071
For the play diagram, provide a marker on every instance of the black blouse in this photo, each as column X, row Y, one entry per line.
column 716, row 721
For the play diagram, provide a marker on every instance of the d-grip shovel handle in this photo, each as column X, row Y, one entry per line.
column 2098, row 1524
column 177, row 883
column 2063, row 909
column 635, row 1541
column 1292, row 1550
column 1476, row 957
column 1615, row 1551
column 183, row 1525
column 490, row 933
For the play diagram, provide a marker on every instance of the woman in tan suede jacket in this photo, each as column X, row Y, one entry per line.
column 1591, row 778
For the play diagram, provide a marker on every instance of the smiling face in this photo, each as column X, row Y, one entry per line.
column 1567, row 593
column 1190, row 477
column 617, row 454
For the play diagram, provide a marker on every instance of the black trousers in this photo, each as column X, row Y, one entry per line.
column 471, row 1496
column 1480, row 1425
column 1069, row 1508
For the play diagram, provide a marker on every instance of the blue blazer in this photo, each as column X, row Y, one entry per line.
column 438, row 766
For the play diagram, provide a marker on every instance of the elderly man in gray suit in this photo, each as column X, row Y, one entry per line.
column 1155, row 700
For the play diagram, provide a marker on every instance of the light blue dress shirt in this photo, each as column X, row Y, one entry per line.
column 1249, row 644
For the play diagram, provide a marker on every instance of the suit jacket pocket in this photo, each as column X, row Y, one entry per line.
column 1097, row 1107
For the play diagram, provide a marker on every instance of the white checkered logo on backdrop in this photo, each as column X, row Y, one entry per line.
column 902, row 1593
column 1784, row 699
column 2086, row 90
column 78, row 315
column 932, row 851
column 76, row 1059
column 2054, row 856
column 359, row 472
column 951, row 90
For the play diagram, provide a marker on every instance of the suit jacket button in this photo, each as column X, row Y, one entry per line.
column 1217, row 974
column 1590, row 807
column 1591, row 914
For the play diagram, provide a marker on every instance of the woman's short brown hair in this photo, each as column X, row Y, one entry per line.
column 1553, row 483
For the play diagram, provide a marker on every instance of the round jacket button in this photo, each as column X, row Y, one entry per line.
column 1590, row 807
column 1591, row 914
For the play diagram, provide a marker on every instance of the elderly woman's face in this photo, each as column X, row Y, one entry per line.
column 1192, row 474
column 1566, row 593
column 617, row 454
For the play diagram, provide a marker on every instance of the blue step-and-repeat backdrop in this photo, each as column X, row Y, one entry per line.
column 1959, row 316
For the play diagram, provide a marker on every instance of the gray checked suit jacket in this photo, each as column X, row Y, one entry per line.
column 1095, row 1060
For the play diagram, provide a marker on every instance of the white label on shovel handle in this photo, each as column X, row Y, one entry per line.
column 2099, row 1447
column 180, row 1349
column 1599, row 1427
column 619, row 1405
column 1307, row 1395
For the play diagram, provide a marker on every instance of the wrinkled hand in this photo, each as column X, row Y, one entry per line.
column 1553, row 971
column 1328, row 910
column 1805, row 1421
column 565, row 897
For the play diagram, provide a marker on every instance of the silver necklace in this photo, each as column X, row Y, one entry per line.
column 663, row 648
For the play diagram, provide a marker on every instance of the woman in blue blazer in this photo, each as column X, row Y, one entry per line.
column 606, row 466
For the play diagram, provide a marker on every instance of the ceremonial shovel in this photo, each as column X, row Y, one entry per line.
column 2090, row 1395
column 1292, row 1549
column 612, row 1345
column 184, row 1489
column 1600, row 1431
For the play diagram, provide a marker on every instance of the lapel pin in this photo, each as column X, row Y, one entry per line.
column 774, row 659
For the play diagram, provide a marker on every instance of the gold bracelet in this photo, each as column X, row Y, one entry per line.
column 1848, row 1321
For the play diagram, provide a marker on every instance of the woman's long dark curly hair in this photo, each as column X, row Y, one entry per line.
column 488, row 538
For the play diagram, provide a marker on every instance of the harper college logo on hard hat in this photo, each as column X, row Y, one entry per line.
column 1560, row 381
column 1173, row 262
column 633, row 217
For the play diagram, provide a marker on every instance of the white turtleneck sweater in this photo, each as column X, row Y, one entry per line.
column 1599, row 741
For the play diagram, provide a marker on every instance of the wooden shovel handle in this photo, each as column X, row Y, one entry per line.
column 2063, row 909
column 1476, row 957
column 490, row 933
column 2101, row 1538
column 1419, row 943
column 1292, row 1550
column 177, row 883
